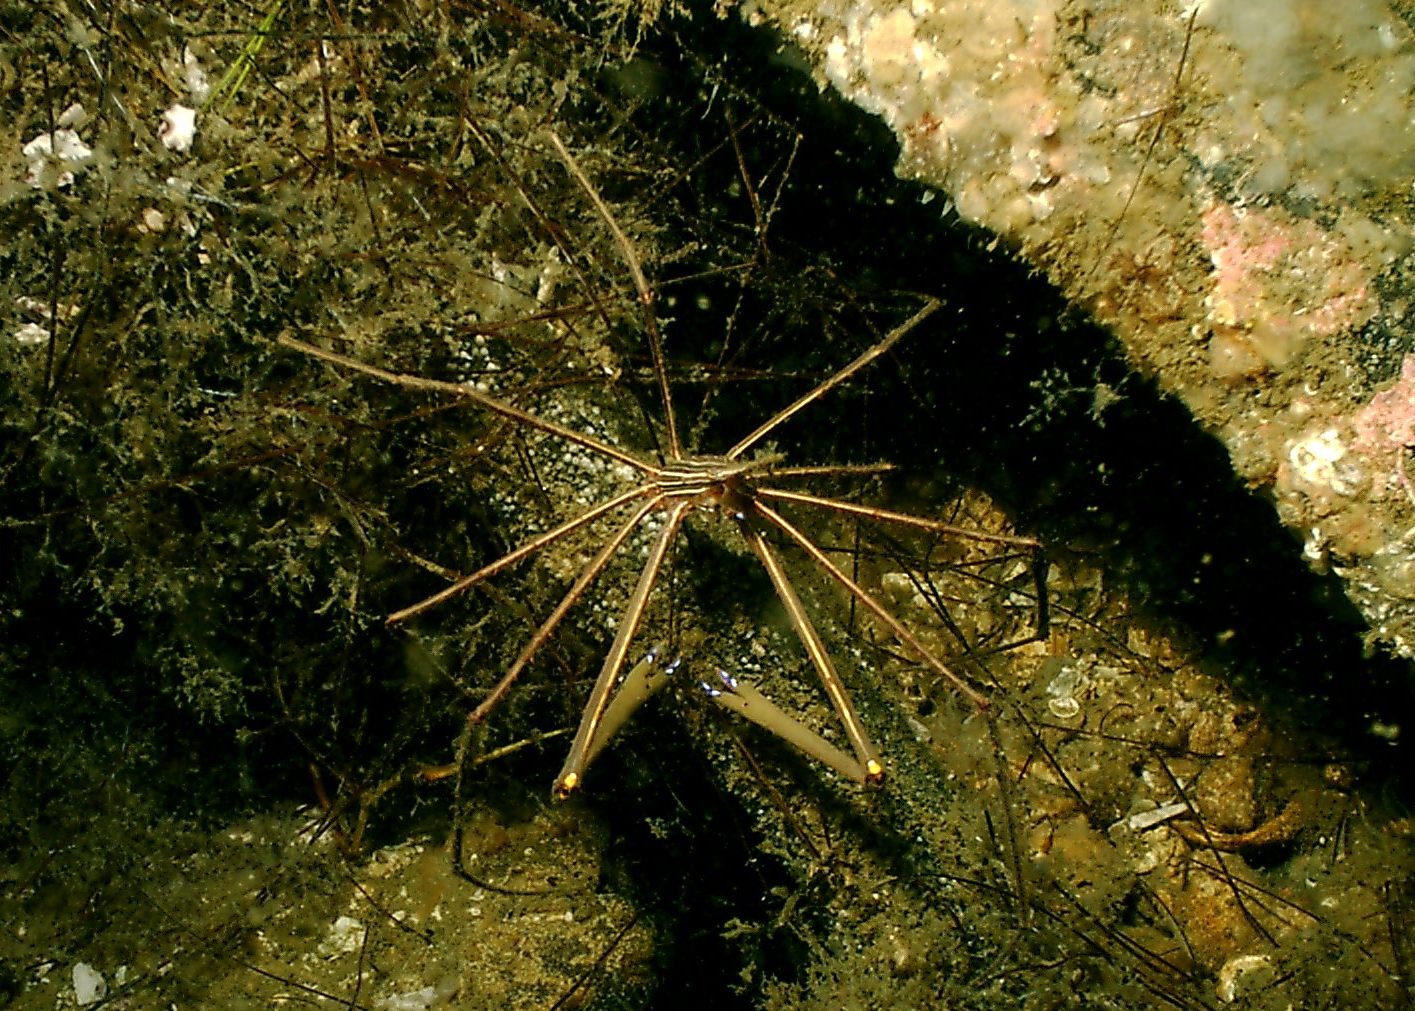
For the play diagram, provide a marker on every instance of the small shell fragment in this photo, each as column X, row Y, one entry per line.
column 31, row 334
column 64, row 146
column 1142, row 820
column 89, row 985
column 179, row 128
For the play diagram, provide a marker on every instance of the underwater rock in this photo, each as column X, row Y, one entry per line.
column 1226, row 188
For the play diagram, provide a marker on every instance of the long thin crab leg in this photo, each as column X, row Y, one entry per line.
column 626, row 249
column 890, row 339
column 815, row 649
column 644, row 680
column 495, row 404
column 880, row 611
column 830, row 470
column 885, row 516
column 744, row 700
column 547, row 627
column 529, row 548
column 574, row 769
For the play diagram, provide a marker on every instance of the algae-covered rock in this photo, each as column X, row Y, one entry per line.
column 1225, row 185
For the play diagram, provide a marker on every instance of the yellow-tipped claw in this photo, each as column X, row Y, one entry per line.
column 567, row 785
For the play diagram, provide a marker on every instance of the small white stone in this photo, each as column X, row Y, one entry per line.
column 417, row 1000
column 73, row 118
column 195, row 74
column 64, row 145
column 1142, row 820
column 344, row 937
column 89, row 985
column 179, row 127
column 31, row 334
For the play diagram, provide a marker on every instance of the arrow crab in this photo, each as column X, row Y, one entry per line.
column 744, row 484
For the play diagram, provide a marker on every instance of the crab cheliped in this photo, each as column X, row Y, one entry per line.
column 741, row 487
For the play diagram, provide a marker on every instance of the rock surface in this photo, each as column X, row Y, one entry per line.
column 1227, row 188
